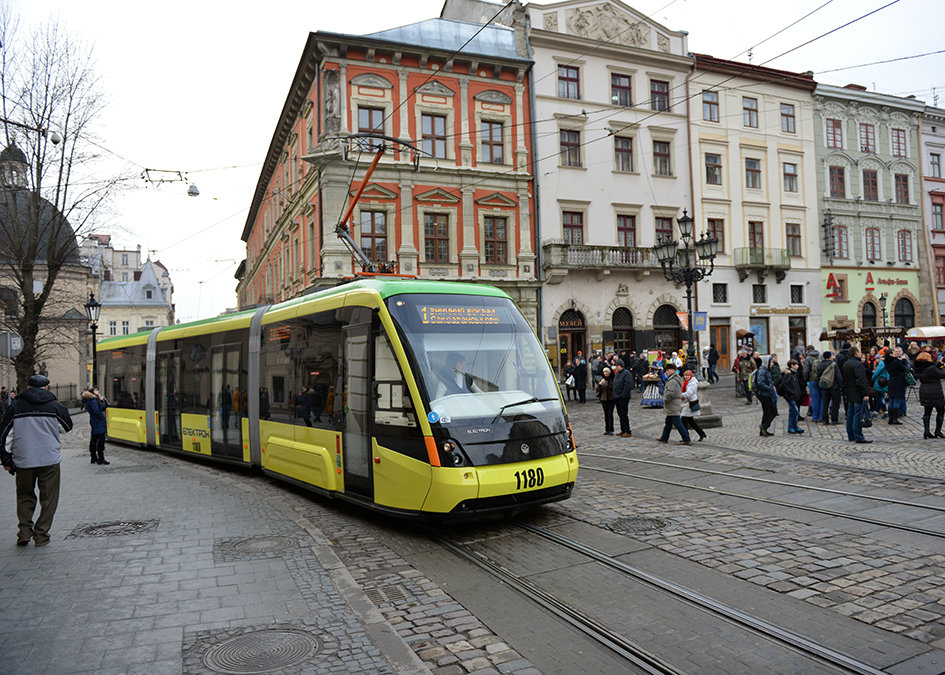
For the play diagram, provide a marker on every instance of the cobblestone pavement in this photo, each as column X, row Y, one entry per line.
column 897, row 585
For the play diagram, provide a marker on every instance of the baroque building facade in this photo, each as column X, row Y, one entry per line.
column 754, row 181
column 933, row 201
column 869, row 186
column 463, row 211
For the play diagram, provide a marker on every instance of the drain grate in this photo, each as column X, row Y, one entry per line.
column 387, row 594
column 262, row 651
column 637, row 525
column 115, row 528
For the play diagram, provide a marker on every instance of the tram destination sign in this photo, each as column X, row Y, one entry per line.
column 462, row 315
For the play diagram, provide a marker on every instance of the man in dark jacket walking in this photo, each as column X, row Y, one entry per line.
column 623, row 387
column 713, row 359
column 897, row 365
column 856, row 389
column 580, row 377
column 34, row 417
column 764, row 388
column 830, row 396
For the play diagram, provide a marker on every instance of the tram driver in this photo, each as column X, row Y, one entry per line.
column 454, row 379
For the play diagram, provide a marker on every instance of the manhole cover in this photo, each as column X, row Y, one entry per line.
column 116, row 528
column 264, row 545
column 867, row 454
column 637, row 525
column 261, row 651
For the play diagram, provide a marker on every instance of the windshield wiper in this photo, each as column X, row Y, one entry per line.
column 533, row 399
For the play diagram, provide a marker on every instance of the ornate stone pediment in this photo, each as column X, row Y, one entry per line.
column 371, row 80
column 493, row 96
column 607, row 22
column 437, row 195
column 496, row 199
column 375, row 191
column 435, row 88
column 551, row 21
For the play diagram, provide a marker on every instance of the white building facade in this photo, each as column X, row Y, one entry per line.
column 755, row 187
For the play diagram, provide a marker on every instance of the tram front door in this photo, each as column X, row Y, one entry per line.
column 356, row 437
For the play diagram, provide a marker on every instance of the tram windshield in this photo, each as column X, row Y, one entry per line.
column 477, row 357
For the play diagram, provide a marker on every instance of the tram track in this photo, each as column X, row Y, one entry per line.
column 770, row 500
column 642, row 657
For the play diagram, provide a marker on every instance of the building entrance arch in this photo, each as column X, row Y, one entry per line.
column 572, row 336
column 666, row 329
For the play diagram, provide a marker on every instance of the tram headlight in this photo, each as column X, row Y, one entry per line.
column 453, row 454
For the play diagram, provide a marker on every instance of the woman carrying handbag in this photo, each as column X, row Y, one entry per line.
column 690, row 409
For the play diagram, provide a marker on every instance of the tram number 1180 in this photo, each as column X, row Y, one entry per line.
column 529, row 479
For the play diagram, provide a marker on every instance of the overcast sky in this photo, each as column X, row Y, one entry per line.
column 198, row 87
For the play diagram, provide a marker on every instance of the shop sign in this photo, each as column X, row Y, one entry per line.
column 758, row 310
column 892, row 282
column 833, row 288
column 683, row 319
column 869, row 282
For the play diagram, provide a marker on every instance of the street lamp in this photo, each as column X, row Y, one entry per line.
column 689, row 264
column 93, row 308
column 882, row 306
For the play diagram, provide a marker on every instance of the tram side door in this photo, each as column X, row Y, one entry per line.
column 225, row 427
column 168, row 398
column 356, row 435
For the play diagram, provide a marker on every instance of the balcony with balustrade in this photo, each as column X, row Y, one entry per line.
column 559, row 258
column 762, row 261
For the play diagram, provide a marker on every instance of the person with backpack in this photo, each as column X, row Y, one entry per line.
column 764, row 388
column 880, row 385
column 811, row 364
column 745, row 366
column 790, row 391
column 831, row 391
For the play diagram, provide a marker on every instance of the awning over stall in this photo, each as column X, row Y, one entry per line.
column 920, row 333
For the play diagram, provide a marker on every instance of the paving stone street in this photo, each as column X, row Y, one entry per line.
column 161, row 564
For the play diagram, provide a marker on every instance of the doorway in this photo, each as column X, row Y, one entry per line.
column 572, row 336
column 718, row 335
column 168, row 398
column 225, row 427
column 356, row 437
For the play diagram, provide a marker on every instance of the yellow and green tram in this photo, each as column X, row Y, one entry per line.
column 419, row 398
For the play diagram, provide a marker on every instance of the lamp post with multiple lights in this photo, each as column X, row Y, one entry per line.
column 688, row 264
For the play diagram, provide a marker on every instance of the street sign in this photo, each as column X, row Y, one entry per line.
column 11, row 344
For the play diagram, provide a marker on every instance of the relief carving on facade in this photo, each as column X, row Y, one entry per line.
column 493, row 96
column 604, row 22
column 662, row 43
column 551, row 21
column 332, row 102
column 623, row 289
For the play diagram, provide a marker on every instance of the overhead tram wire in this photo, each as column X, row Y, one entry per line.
column 788, row 27
column 876, row 63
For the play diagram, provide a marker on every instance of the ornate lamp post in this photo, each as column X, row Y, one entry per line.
column 93, row 308
column 882, row 306
column 689, row 264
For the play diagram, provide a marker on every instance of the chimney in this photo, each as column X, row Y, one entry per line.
column 855, row 87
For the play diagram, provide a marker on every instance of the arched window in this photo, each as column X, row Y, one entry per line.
column 873, row 248
column 869, row 316
column 666, row 328
column 841, row 242
column 904, row 242
column 623, row 330
column 905, row 313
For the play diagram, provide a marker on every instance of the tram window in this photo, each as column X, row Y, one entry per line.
column 195, row 376
column 392, row 406
column 121, row 376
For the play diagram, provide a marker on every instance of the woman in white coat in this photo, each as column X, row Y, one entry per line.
column 690, row 398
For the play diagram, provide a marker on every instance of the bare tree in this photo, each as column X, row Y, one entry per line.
column 51, row 192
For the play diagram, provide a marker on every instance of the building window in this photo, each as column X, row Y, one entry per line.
column 620, row 90
column 902, row 188
column 750, row 112
column 713, row 169
column 834, row 134
column 370, row 121
column 148, row 293
column 838, row 189
column 787, row 118
column 492, row 142
column 792, row 234
column 374, row 235
column 869, row 315
column 797, row 294
column 841, row 242
column 436, row 237
column 870, row 186
column 716, row 228
column 495, row 240
column 753, row 173
column 873, row 247
column 937, row 223
column 710, row 106
column 573, row 224
column 623, row 153
column 661, row 164
column 898, row 142
column 659, row 95
column 790, row 177
column 759, row 294
column 756, row 234
column 125, row 328
column 569, row 82
column 570, row 147
column 940, row 271
column 867, row 138
column 936, row 161
column 124, row 258
column 124, row 276
column 626, row 231
column 664, row 229
column 720, row 293
column 904, row 314
column 433, row 129
column 149, row 323
column 113, row 328
column 904, row 245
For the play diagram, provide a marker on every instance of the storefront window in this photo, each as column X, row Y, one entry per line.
column 759, row 328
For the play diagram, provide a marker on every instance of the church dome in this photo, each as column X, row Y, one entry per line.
column 11, row 153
